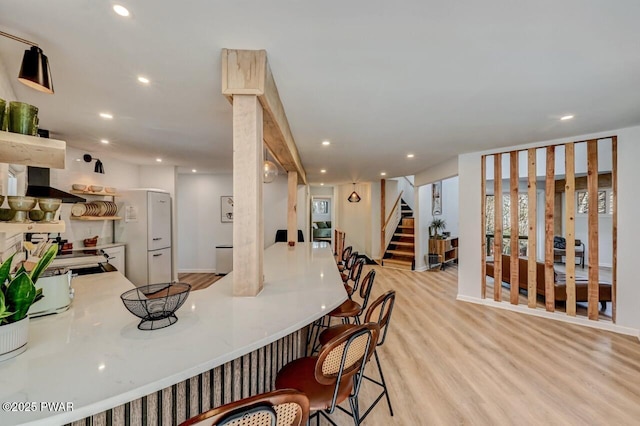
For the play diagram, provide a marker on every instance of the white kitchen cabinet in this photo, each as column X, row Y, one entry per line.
column 116, row 257
column 159, row 264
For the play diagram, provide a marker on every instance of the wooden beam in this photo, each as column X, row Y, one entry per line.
column 614, row 181
column 592, row 189
column 515, row 229
column 549, row 279
column 497, row 227
column 292, row 207
column 532, row 248
column 32, row 151
column 248, row 72
column 604, row 181
column 570, row 225
column 483, row 227
column 248, row 226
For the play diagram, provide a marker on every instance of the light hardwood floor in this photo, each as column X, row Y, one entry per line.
column 451, row 363
column 198, row 281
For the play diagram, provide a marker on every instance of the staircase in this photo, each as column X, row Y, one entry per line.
column 400, row 252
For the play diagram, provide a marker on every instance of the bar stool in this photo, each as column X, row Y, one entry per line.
column 286, row 407
column 335, row 374
column 384, row 306
column 353, row 277
column 349, row 308
column 345, row 256
column 351, row 260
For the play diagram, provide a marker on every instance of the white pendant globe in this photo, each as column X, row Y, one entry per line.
column 269, row 172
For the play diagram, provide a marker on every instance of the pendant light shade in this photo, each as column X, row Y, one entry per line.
column 35, row 71
column 354, row 197
column 270, row 172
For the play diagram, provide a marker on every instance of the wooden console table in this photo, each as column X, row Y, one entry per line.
column 446, row 249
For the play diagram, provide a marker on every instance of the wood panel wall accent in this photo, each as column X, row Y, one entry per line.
column 549, row 279
column 515, row 230
column 483, row 227
column 292, row 206
column 247, row 72
column 497, row 226
column 248, row 221
column 592, row 189
column 570, row 234
column 243, row 377
column 556, row 215
column 614, row 181
column 532, row 246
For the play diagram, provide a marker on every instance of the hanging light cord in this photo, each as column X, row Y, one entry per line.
column 21, row 40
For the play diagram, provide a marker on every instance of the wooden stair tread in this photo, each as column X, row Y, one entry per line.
column 405, row 227
column 402, row 243
column 403, row 235
column 401, row 253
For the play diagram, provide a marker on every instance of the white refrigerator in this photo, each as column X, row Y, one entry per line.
column 146, row 230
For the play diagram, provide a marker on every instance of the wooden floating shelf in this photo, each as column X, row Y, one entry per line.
column 96, row 218
column 32, row 227
column 32, row 151
column 104, row 194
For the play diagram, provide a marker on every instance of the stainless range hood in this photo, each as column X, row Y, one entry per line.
column 38, row 181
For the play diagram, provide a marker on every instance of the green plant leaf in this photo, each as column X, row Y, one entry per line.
column 3, row 309
column 19, row 296
column 44, row 262
column 5, row 269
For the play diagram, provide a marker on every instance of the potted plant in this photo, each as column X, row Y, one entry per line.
column 17, row 293
column 436, row 226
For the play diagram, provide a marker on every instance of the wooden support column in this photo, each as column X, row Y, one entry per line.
column 483, row 227
column 570, row 226
column 592, row 189
column 292, row 207
column 383, row 217
column 497, row 225
column 248, row 226
column 532, row 237
column 549, row 279
column 614, row 181
column 515, row 229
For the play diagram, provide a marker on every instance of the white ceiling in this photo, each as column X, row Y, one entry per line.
column 379, row 79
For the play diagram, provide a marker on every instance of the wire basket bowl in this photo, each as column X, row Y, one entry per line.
column 156, row 304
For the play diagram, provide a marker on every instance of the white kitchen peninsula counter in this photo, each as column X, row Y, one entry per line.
column 94, row 356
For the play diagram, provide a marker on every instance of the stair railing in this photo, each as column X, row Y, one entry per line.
column 390, row 225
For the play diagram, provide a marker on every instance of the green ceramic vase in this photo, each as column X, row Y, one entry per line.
column 23, row 118
column 3, row 113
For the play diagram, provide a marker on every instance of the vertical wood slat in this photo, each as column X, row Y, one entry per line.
column 497, row 227
column 614, row 179
column 515, row 229
column 532, row 245
column 292, row 206
column 570, row 211
column 483, row 226
column 592, row 189
column 548, row 228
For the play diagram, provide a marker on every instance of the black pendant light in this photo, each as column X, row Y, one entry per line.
column 354, row 197
column 34, row 71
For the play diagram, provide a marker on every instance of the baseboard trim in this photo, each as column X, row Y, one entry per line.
column 551, row 315
column 421, row 269
column 196, row 271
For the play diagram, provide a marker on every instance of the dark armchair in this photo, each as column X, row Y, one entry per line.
column 560, row 249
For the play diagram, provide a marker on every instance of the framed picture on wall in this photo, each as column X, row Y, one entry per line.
column 226, row 208
column 436, row 198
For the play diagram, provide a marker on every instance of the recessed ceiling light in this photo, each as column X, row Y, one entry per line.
column 159, row 160
column 193, row 170
column 566, row 117
column 325, row 143
column 120, row 10
column 322, row 184
column 77, row 159
column 383, row 174
column 104, row 141
column 143, row 80
column 106, row 115
column 410, row 155
column 323, row 171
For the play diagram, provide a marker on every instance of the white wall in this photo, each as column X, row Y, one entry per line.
column 443, row 170
column 355, row 219
column 117, row 173
column 406, row 186
column 628, row 291
column 200, row 228
column 6, row 91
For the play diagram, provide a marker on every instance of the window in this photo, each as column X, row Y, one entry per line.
column 583, row 202
column 320, row 206
column 523, row 221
